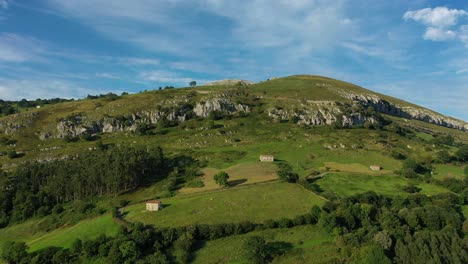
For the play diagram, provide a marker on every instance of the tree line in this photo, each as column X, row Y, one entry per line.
column 38, row 187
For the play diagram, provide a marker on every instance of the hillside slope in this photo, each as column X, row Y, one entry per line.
column 302, row 99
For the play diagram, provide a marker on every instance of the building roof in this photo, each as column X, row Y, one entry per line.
column 266, row 156
column 154, row 201
column 375, row 166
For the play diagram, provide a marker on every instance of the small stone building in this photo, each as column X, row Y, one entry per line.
column 153, row 205
column 267, row 158
column 375, row 167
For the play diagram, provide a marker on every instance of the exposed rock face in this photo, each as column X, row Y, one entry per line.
column 12, row 124
column 204, row 108
column 320, row 116
column 78, row 125
column 409, row 112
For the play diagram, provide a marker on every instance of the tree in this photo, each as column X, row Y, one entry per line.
column 129, row 251
column 193, row 83
column 462, row 153
column 256, row 250
column 383, row 239
column 316, row 212
column 221, row 178
column 14, row 252
column 371, row 255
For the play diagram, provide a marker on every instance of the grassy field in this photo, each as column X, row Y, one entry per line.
column 303, row 244
column 250, row 203
column 449, row 171
column 345, row 184
column 241, row 174
column 352, row 167
column 62, row 237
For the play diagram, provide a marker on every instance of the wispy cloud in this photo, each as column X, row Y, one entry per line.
column 107, row 75
column 17, row 48
column 4, row 4
column 45, row 88
column 168, row 77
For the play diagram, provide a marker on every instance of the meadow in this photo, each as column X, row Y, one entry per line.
column 301, row 244
column 62, row 237
column 346, row 184
column 254, row 203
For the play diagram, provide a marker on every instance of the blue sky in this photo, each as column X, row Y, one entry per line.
column 415, row 50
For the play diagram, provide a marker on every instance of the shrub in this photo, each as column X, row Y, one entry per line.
column 221, row 178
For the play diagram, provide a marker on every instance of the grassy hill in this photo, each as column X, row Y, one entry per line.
column 301, row 120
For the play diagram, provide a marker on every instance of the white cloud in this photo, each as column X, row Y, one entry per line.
column 439, row 34
column 439, row 22
column 464, row 34
column 439, row 17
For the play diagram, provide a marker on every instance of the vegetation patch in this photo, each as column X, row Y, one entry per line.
column 307, row 242
column 251, row 203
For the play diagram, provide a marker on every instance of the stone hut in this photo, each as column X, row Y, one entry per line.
column 153, row 205
column 267, row 158
column 375, row 167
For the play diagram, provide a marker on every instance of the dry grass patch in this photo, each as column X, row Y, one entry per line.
column 241, row 174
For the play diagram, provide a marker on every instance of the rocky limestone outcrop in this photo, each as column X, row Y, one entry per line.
column 77, row 125
column 13, row 123
column 225, row 105
column 409, row 112
column 325, row 114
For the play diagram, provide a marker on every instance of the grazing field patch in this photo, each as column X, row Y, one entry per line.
column 344, row 184
column 62, row 237
column 253, row 203
column 448, row 171
column 242, row 174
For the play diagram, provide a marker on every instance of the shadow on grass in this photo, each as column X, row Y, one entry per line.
column 279, row 248
column 237, row 182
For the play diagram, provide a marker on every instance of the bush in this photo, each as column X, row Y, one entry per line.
column 411, row 189
column 13, row 154
column 286, row 173
column 397, row 155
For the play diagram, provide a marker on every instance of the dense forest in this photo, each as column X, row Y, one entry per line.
column 36, row 188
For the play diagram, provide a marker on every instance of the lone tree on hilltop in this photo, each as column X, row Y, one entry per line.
column 221, row 178
column 193, row 83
